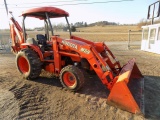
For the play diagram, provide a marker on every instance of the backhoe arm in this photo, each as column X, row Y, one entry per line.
column 15, row 30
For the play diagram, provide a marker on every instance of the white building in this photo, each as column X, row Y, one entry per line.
column 151, row 38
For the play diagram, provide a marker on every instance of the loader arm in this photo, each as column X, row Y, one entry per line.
column 100, row 62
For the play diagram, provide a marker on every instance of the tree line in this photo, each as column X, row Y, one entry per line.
column 144, row 22
column 73, row 26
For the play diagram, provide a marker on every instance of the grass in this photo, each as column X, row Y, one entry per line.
column 108, row 29
column 109, row 33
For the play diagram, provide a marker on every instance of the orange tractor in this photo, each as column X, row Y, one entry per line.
column 67, row 58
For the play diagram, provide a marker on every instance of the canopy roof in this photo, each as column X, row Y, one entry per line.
column 53, row 12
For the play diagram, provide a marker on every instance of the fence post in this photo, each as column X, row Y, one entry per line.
column 129, row 39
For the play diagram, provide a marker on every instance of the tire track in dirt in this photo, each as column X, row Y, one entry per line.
column 31, row 101
column 9, row 108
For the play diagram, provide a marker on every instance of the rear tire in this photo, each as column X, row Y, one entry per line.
column 28, row 63
column 71, row 78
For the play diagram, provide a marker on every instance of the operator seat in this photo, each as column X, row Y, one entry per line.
column 41, row 39
column 42, row 42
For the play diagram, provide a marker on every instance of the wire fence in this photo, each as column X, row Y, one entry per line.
column 5, row 43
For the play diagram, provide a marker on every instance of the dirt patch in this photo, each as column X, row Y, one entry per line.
column 45, row 98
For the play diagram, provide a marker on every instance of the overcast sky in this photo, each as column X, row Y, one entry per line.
column 126, row 12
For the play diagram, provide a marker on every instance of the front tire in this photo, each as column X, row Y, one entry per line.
column 71, row 78
column 28, row 63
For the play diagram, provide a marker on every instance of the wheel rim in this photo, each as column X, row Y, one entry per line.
column 69, row 79
column 23, row 64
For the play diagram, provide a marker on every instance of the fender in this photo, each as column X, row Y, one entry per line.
column 35, row 48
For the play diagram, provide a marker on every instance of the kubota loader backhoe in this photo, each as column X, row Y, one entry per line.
column 67, row 58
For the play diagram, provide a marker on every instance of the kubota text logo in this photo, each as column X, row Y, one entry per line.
column 69, row 44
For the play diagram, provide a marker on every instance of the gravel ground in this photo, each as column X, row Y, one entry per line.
column 46, row 99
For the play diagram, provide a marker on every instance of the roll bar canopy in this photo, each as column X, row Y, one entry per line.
column 40, row 13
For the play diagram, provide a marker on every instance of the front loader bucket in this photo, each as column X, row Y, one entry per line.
column 127, row 92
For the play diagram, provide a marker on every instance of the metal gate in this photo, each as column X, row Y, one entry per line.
column 134, row 39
